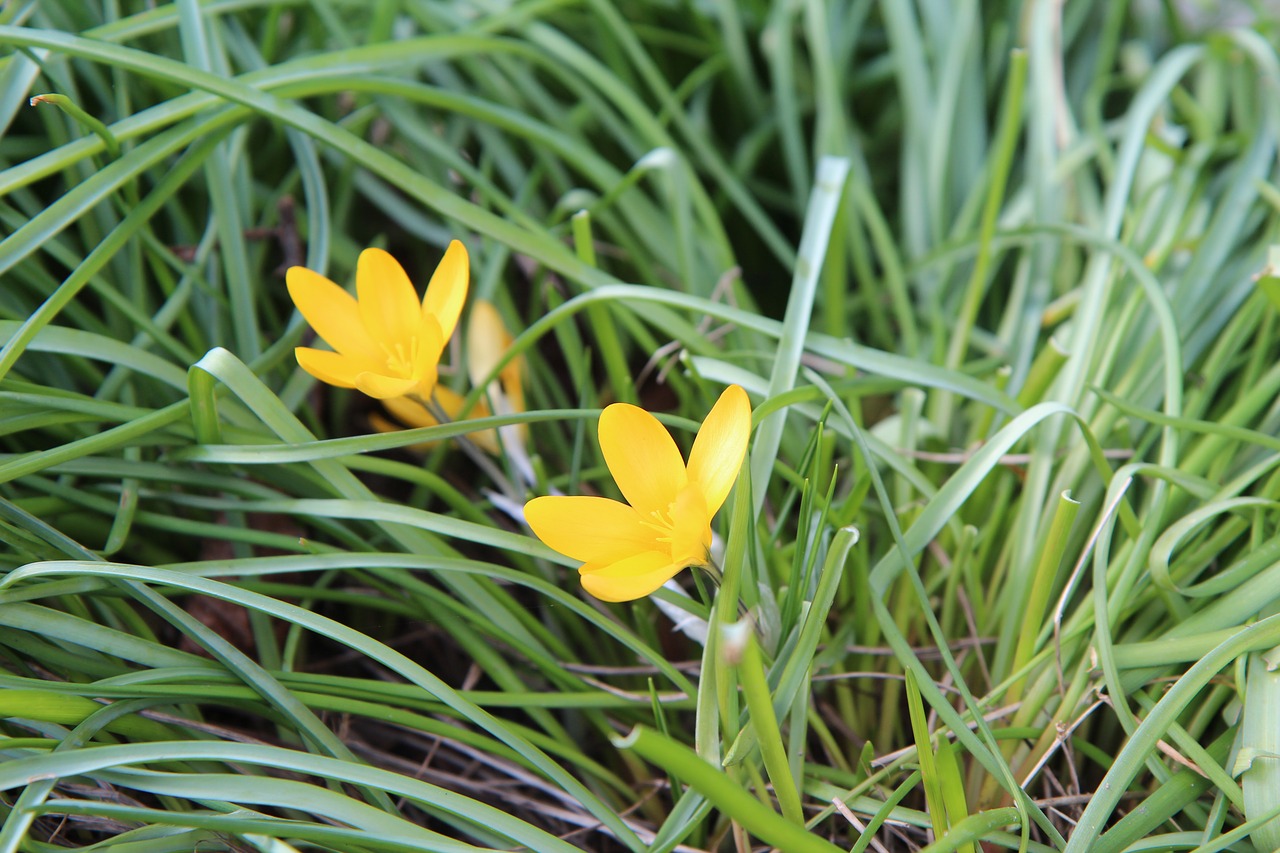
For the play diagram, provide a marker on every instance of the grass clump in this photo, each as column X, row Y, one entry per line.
column 998, row 567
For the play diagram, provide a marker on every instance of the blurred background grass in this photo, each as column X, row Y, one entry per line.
column 994, row 274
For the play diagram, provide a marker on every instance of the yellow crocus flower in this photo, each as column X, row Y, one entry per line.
column 630, row 550
column 385, row 342
column 487, row 342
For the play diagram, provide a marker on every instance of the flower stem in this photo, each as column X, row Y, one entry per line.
column 468, row 447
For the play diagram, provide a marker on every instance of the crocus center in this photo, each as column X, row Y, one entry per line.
column 402, row 357
column 684, row 527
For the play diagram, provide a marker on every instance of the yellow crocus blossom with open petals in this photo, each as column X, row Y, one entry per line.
column 385, row 342
column 631, row 549
column 488, row 341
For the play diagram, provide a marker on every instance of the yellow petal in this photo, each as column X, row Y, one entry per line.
column 332, row 312
column 643, row 458
column 385, row 387
column 594, row 530
column 388, row 302
column 632, row 578
column 451, row 401
column 413, row 414
column 381, row 424
column 429, row 348
column 690, row 527
column 720, row 447
column 331, row 367
column 410, row 412
column 447, row 290
column 487, row 341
